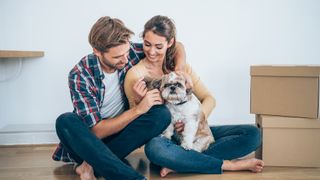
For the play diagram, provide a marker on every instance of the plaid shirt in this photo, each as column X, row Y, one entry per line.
column 87, row 91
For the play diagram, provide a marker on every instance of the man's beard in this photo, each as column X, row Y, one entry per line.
column 110, row 65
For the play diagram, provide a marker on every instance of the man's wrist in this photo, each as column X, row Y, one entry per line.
column 137, row 100
column 136, row 111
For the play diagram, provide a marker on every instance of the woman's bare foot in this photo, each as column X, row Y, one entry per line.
column 253, row 164
column 85, row 171
column 165, row 171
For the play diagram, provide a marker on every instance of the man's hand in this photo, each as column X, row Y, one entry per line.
column 150, row 99
column 179, row 127
column 139, row 90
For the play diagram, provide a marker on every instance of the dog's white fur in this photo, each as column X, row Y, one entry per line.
column 185, row 107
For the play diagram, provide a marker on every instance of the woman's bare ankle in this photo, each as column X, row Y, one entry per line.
column 228, row 165
column 165, row 171
column 253, row 164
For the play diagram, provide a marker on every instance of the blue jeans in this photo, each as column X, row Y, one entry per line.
column 106, row 155
column 232, row 141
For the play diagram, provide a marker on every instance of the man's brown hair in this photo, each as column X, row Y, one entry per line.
column 108, row 32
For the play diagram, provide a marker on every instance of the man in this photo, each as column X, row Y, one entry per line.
column 101, row 131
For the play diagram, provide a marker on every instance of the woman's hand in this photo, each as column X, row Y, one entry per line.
column 179, row 127
column 187, row 77
column 139, row 90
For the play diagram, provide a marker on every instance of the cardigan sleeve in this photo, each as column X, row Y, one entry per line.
column 207, row 100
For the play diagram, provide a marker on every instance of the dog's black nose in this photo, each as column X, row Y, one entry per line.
column 172, row 88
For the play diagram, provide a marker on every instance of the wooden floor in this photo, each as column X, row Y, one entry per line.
column 34, row 162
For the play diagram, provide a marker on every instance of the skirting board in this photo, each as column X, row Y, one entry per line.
column 18, row 134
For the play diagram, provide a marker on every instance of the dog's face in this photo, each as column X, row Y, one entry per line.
column 173, row 88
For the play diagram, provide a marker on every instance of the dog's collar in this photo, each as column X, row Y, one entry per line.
column 180, row 103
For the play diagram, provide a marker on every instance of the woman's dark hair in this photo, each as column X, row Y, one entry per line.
column 164, row 26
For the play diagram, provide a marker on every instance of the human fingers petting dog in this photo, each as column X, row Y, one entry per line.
column 179, row 126
column 187, row 77
column 139, row 89
column 151, row 98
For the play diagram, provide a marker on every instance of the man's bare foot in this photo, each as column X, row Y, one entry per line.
column 253, row 164
column 165, row 171
column 85, row 171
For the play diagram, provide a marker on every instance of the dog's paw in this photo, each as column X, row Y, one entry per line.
column 186, row 146
column 166, row 136
column 198, row 149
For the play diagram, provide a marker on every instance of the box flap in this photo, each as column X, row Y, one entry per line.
column 267, row 121
column 285, row 96
column 285, row 70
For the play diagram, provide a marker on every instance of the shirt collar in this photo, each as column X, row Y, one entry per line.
column 94, row 63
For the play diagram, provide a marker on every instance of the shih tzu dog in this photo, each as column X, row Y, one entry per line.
column 185, row 107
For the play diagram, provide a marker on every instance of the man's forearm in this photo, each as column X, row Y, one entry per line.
column 108, row 127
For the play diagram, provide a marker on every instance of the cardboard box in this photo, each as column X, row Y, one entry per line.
column 289, row 141
column 285, row 91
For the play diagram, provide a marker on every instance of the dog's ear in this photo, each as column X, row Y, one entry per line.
column 153, row 84
column 156, row 83
column 189, row 93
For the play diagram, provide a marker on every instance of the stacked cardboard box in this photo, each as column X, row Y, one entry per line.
column 285, row 100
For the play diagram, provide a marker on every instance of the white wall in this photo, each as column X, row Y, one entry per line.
column 222, row 40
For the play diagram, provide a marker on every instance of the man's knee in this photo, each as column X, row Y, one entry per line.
column 161, row 116
column 64, row 120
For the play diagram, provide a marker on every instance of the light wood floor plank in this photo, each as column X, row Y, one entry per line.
column 34, row 162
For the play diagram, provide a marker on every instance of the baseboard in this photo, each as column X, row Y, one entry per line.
column 27, row 134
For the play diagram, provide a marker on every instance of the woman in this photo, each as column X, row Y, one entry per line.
column 231, row 142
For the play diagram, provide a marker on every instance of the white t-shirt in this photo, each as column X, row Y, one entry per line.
column 113, row 102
